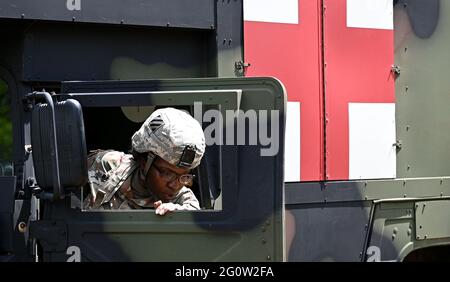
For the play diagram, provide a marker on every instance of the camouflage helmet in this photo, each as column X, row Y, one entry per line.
column 173, row 135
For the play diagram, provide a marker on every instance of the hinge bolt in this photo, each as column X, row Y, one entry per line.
column 22, row 227
column 395, row 70
column 398, row 144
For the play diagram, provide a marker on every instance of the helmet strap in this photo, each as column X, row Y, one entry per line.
column 148, row 164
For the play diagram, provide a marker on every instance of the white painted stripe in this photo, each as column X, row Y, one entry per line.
column 277, row 11
column 372, row 135
column 292, row 143
column 378, row 14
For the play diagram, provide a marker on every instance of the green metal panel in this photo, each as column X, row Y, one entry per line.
column 398, row 227
column 392, row 229
column 422, row 39
column 144, row 236
column 346, row 191
column 432, row 220
column 229, row 38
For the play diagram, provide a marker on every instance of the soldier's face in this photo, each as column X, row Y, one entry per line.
column 164, row 189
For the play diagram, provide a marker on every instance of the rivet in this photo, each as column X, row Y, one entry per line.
column 22, row 227
column 263, row 241
column 425, row 236
column 395, row 230
column 269, row 258
column 420, row 227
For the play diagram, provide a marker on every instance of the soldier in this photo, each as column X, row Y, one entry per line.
column 167, row 146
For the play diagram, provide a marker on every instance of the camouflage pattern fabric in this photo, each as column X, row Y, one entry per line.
column 113, row 184
column 167, row 132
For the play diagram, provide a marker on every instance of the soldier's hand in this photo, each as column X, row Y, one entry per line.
column 163, row 208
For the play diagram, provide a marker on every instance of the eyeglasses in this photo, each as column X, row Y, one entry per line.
column 169, row 176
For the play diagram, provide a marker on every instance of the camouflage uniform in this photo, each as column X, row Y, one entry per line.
column 114, row 183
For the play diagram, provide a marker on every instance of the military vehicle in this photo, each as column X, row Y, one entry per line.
column 374, row 181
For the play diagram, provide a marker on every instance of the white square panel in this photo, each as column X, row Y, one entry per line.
column 371, row 141
column 378, row 14
column 276, row 11
column 292, row 143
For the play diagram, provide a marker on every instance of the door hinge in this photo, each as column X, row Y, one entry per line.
column 395, row 70
column 398, row 144
column 241, row 67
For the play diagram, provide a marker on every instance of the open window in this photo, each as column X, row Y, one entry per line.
column 110, row 127
column 111, row 118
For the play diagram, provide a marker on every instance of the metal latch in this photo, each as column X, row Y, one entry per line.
column 241, row 67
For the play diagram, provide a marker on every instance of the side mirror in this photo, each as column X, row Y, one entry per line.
column 59, row 145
